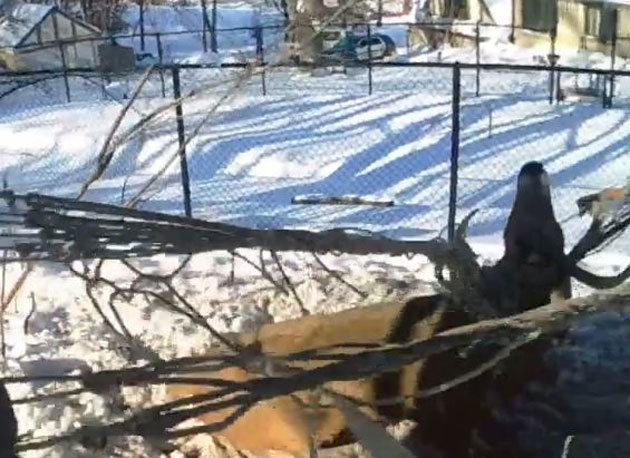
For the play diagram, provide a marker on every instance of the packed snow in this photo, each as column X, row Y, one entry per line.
column 323, row 135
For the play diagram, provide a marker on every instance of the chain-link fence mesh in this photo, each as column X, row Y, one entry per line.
column 54, row 143
column 318, row 138
column 272, row 149
column 583, row 146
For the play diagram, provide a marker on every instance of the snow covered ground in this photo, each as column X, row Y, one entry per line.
column 308, row 135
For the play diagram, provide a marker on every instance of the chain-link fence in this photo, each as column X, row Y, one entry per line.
column 583, row 145
column 369, row 147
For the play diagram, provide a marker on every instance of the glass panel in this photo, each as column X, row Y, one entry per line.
column 592, row 20
column 539, row 14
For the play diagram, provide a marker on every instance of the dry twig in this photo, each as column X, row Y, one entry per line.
column 287, row 280
column 107, row 153
column 338, row 276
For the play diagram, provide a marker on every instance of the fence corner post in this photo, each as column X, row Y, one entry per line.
column 260, row 57
column 160, row 51
column 369, row 39
column 213, row 33
column 553, row 60
column 452, row 201
column 181, row 137
column 64, row 65
column 613, row 54
column 142, row 38
column 204, row 24
column 478, row 57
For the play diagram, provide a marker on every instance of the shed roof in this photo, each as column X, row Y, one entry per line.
column 17, row 21
column 612, row 2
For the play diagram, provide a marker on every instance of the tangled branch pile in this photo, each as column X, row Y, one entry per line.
column 319, row 362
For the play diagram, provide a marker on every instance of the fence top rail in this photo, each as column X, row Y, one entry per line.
column 242, row 65
column 440, row 25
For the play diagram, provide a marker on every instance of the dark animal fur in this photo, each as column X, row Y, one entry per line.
column 534, row 242
column 531, row 272
column 8, row 425
column 445, row 421
column 459, row 422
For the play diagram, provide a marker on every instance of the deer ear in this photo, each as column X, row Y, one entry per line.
column 528, row 183
column 545, row 182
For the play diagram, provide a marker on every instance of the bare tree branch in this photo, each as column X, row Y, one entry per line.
column 239, row 83
column 289, row 283
column 364, row 363
column 338, row 277
column 107, row 153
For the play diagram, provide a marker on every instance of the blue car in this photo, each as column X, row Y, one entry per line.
column 358, row 48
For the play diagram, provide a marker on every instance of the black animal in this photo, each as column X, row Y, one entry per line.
column 534, row 242
column 531, row 273
column 8, row 425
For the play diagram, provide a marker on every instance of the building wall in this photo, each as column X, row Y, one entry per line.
column 81, row 54
column 570, row 30
column 8, row 60
column 475, row 10
column 458, row 33
column 525, row 37
column 571, row 23
column 39, row 59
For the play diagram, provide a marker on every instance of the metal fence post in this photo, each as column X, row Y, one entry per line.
column 369, row 39
column 478, row 57
column 213, row 37
column 204, row 24
column 64, row 65
column 613, row 53
column 552, row 61
column 161, row 62
column 260, row 54
column 559, row 95
column 452, row 201
column 181, row 136
column 142, row 43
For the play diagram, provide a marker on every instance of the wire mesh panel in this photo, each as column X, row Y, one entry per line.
column 608, row 88
column 583, row 146
column 290, row 148
column 297, row 159
column 55, row 146
column 186, row 30
column 621, row 91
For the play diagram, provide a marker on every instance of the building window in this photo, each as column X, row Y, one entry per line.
column 539, row 15
column 623, row 22
column 592, row 18
column 452, row 9
column 458, row 9
column 607, row 26
column 599, row 21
